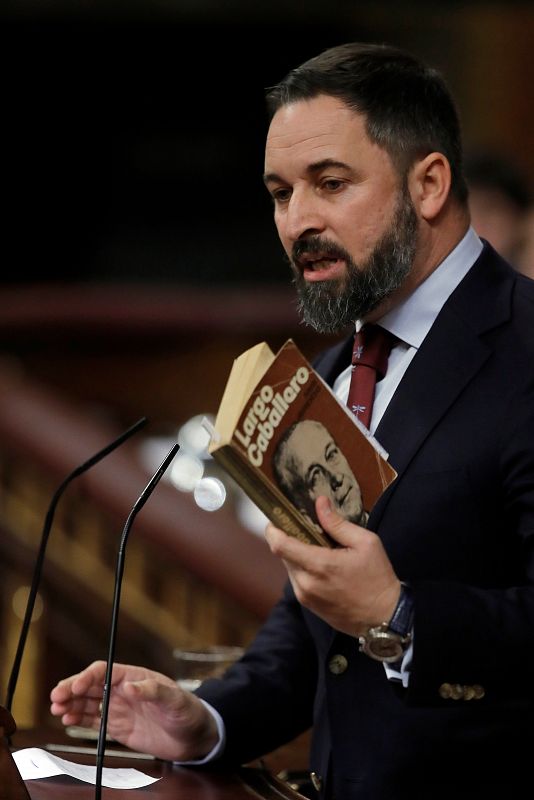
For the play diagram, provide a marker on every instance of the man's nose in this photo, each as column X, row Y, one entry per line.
column 303, row 216
column 336, row 479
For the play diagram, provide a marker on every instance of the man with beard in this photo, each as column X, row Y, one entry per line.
column 408, row 646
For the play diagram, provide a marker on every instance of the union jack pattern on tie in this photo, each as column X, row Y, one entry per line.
column 370, row 354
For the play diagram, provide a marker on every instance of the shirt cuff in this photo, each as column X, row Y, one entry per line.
column 400, row 671
column 216, row 751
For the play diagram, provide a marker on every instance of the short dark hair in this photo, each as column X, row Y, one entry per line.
column 408, row 108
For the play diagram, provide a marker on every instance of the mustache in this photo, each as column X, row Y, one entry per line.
column 318, row 245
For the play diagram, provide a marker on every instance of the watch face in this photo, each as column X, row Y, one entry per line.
column 382, row 645
column 385, row 649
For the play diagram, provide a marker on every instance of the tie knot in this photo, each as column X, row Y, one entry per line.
column 372, row 346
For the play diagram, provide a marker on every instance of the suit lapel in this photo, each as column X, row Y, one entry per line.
column 449, row 358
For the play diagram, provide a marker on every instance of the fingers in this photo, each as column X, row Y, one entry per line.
column 295, row 552
column 89, row 682
column 77, row 699
column 341, row 530
column 81, row 711
column 143, row 690
column 161, row 690
column 289, row 548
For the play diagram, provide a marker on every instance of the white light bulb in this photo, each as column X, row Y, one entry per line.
column 186, row 471
column 209, row 494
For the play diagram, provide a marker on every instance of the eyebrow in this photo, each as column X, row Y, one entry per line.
column 311, row 169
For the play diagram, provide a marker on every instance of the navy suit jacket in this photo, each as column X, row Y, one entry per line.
column 458, row 523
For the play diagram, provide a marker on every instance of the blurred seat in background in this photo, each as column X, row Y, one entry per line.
column 499, row 198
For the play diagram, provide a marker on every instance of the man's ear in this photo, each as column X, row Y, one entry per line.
column 429, row 183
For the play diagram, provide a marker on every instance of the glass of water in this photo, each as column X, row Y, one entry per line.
column 196, row 664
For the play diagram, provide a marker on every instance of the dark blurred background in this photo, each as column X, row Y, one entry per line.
column 133, row 132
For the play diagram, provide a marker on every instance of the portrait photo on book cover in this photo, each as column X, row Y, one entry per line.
column 287, row 439
column 308, row 463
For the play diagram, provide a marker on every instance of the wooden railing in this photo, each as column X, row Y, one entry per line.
column 191, row 578
column 164, row 352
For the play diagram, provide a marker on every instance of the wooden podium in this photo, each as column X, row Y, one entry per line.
column 177, row 783
column 11, row 784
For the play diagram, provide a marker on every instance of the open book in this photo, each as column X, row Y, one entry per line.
column 285, row 438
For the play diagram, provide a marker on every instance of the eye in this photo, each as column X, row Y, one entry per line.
column 332, row 184
column 332, row 453
column 313, row 478
column 281, row 195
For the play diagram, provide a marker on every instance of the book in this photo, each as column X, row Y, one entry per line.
column 282, row 434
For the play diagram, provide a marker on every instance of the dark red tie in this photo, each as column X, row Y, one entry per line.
column 372, row 346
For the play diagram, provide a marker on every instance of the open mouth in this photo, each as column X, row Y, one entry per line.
column 316, row 262
column 319, row 266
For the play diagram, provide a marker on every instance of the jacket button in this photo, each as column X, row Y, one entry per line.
column 445, row 691
column 451, row 691
column 455, row 691
column 317, row 781
column 338, row 664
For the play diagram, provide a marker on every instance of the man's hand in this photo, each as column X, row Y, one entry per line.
column 352, row 586
column 148, row 711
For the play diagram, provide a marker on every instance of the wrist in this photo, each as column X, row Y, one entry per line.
column 401, row 620
column 207, row 734
column 389, row 641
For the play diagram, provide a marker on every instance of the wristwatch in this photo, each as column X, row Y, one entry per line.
column 389, row 641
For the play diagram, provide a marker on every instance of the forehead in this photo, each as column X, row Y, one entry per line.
column 308, row 440
column 310, row 131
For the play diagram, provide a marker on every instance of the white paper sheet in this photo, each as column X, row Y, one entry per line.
column 33, row 762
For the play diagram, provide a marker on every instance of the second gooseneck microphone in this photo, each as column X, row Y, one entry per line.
column 138, row 505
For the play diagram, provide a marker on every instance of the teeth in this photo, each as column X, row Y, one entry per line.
column 321, row 264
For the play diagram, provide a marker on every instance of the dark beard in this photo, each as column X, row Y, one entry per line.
column 330, row 306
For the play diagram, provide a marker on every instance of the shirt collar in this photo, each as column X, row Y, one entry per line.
column 411, row 319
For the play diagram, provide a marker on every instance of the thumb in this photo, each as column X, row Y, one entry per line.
column 150, row 690
column 341, row 530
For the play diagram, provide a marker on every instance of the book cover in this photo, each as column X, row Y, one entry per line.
column 286, row 439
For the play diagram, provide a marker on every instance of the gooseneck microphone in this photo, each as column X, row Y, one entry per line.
column 138, row 505
column 42, row 549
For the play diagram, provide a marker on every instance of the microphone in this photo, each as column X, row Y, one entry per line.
column 138, row 505
column 42, row 549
